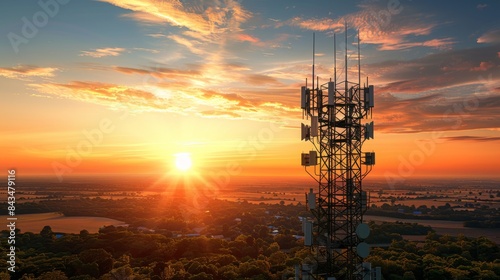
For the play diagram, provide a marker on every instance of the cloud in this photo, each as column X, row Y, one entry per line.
column 390, row 29
column 316, row 24
column 492, row 36
column 101, row 93
column 439, row 71
column 146, row 50
column 212, row 19
column 192, row 45
column 214, row 113
column 471, row 138
column 481, row 6
column 159, row 72
column 22, row 72
column 437, row 112
column 452, row 90
column 175, row 97
column 248, row 38
column 483, row 66
column 259, row 79
column 97, row 53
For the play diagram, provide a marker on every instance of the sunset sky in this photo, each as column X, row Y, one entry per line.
column 124, row 86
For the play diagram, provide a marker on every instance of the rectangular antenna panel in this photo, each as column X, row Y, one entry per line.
column 314, row 126
column 313, row 158
column 320, row 101
column 331, row 93
column 311, row 200
column 305, row 159
column 303, row 97
column 308, row 234
column 369, row 130
column 305, row 132
column 372, row 96
column 369, row 98
column 370, row 158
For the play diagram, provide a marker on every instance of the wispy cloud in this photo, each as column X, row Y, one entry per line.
column 22, row 72
column 173, row 97
column 437, row 113
column 316, row 24
column 101, row 93
column 159, row 72
column 481, row 6
column 97, row 53
column 452, row 90
column 492, row 36
column 146, row 50
column 438, row 71
column 471, row 138
column 398, row 31
column 212, row 18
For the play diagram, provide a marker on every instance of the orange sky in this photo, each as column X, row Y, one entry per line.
column 124, row 91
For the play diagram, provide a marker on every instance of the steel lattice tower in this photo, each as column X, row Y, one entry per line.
column 337, row 110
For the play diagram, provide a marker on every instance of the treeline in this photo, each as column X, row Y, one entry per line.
column 119, row 253
column 480, row 217
column 439, row 258
column 385, row 233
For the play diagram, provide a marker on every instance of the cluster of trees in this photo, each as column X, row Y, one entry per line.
column 484, row 216
column 439, row 258
column 385, row 233
column 117, row 253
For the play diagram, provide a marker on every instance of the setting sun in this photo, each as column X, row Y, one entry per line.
column 183, row 161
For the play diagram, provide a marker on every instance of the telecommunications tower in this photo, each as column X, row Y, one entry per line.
column 338, row 111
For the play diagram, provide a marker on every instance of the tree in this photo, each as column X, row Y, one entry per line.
column 53, row 275
column 409, row 276
column 278, row 258
column 84, row 233
column 101, row 257
column 47, row 233
column 4, row 276
column 121, row 273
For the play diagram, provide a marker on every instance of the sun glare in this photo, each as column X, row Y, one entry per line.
column 183, row 161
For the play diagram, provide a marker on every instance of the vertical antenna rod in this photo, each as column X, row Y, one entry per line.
column 359, row 64
column 346, row 87
column 334, row 59
column 314, row 40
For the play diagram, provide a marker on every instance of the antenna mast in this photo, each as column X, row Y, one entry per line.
column 336, row 231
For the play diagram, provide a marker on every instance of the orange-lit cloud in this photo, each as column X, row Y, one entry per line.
column 102, row 93
column 248, row 38
column 160, row 72
column 25, row 71
column 439, row 71
column 323, row 24
column 213, row 19
column 97, row 53
column 437, row 113
column 471, row 138
column 192, row 45
column 452, row 90
column 483, row 66
column 171, row 97
column 389, row 32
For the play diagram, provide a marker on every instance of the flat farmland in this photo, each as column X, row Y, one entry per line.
column 60, row 223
